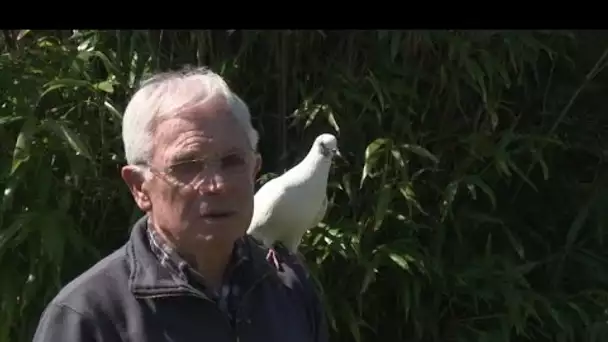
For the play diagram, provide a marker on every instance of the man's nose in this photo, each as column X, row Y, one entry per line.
column 211, row 182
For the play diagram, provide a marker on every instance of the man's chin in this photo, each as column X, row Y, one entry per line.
column 218, row 228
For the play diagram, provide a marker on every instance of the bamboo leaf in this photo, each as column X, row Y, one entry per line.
column 577, row 225
column 448, row 198
column 332, row 121
column 63, row 83
column 69, row 136
column 113, row 110
column 421, row 151
column 517, row 246
column 477, row 181
column 369, row 278
column 21, row 152
column 371, row 155
column 22, row 33
column 401, row 261
column 384, row 199
column 105, row 86
column 10, row 119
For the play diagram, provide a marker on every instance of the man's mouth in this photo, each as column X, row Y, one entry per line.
column 217, row 215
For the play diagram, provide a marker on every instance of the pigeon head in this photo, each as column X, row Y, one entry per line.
column 327, row 145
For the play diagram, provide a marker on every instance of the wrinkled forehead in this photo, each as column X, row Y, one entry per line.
column 198, row 131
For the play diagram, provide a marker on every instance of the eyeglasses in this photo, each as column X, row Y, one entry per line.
column 192, row 173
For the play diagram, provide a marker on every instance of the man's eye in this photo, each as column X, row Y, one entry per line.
column 187, row 169
column 233, row 160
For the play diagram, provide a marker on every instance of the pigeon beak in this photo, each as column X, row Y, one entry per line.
column 337, row 153
column 341, row 157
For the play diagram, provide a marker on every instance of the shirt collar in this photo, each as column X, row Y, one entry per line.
column 156, row 269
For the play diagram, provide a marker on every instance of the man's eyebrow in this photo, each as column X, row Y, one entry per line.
column 235, row 150
column 183, row 157
column 187, row 156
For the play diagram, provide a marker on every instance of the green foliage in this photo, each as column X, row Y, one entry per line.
column 469, row 206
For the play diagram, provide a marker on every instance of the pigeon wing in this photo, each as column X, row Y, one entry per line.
column 292, row 242
column 267, row 205
column 321, row 213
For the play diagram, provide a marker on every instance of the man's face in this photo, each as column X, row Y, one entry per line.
column 192, row 200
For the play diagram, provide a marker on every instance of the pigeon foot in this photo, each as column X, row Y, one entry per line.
column 272, row 257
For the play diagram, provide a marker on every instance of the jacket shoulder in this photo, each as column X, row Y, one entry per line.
column 94, row 287
column 86, row 308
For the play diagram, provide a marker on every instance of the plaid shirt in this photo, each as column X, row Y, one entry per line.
column 230, row 292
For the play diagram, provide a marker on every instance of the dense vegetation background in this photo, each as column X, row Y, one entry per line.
column 470, row 206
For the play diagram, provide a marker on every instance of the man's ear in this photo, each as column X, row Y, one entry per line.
column 135, row 179
column 258, row 164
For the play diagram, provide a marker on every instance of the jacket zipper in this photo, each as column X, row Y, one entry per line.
column 200, row 295
column 232, row 329
column 240, row 306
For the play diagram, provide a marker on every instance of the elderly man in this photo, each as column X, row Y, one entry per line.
column 188, row 271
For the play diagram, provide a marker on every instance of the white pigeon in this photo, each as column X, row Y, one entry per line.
column 291, row 204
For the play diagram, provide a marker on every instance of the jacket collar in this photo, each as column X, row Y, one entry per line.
column 150, row 278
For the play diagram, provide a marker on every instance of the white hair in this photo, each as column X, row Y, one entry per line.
column 163, row 95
